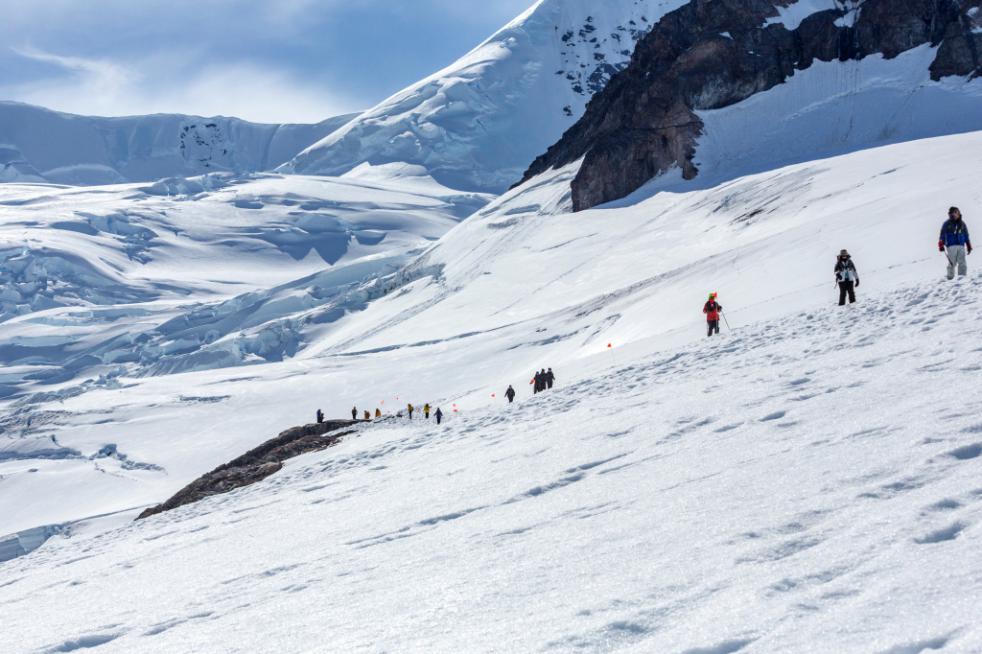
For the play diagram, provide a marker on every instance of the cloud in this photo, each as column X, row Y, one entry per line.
column 175, row 82
column 98, row 71
column 289, row 60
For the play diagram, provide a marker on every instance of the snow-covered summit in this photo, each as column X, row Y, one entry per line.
column 479, row 122
column 40, row 145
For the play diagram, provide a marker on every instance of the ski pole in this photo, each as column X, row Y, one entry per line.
column 726, row 321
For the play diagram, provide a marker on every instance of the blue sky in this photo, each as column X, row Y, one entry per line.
column 273, row 60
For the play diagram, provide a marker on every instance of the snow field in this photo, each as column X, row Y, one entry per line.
column 512, row 292
column 796, row 485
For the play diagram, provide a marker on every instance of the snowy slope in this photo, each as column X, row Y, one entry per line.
column 807, row 483
column 479, row 122
column 835, row 108
column 37, row 144
column 101, row 283
column 499, row 295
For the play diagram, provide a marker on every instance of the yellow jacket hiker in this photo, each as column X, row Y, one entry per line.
column 426, row 411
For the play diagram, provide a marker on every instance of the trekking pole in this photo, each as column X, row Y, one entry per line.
column 726, row 321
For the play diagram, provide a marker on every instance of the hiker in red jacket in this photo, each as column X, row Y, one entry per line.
column 712, row 309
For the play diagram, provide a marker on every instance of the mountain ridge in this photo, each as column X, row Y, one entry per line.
column 709, row 56
column 43, row 145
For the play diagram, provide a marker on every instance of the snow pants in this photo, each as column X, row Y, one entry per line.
column 847, row 289
column 957, row 259
column 713, row 327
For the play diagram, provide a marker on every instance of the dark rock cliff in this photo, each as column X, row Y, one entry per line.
column 711, row 54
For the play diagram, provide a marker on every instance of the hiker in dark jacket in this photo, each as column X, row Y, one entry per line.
column 550, row 378
column 536, row 383
column 847, row 277
column 712, row 309
column 955, row 238
column 439, row 416
column 354, row 413
column 510, row 394
column 320, row 416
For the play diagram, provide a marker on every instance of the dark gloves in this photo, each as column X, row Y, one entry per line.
column 940, row 246
column 969, row 246
column 857, row 283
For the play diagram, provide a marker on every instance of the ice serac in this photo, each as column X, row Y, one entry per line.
column 478, row 123
column 39, row 145
column 706, row 56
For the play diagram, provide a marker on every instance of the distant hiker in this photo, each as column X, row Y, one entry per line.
column 320, row 416
column 847, row 277
column 954, row 237
column 439, row 416
column 368, row 416
column 354, row 413
column 712, row 309
column 550, row 378
column 410, row 407
column 510, row 394
column 426, row 410
column 542, row 380
column 378, row 413
column 536, row 383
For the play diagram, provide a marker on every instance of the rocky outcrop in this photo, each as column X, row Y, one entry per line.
column 711, row 54
column 257, row 464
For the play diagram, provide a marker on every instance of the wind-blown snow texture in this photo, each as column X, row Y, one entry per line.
column 797, row 485
column 39, row 145
column 478, row 123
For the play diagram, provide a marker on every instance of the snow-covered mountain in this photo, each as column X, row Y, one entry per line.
column 801, row 484
column 835, row 76
column 807, row 482
column 39, row 145
column 478, row 123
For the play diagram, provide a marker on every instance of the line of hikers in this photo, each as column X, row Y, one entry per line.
column 542, row 380
column 954, row 242
column 410, row 409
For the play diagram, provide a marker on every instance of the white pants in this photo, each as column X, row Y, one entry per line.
column 956, row 258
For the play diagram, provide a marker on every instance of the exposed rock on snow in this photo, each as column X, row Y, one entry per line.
column 257, row 464
column 710, row 55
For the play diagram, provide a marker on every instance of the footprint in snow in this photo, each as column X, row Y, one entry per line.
column 967, row 452
column 951, row 532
